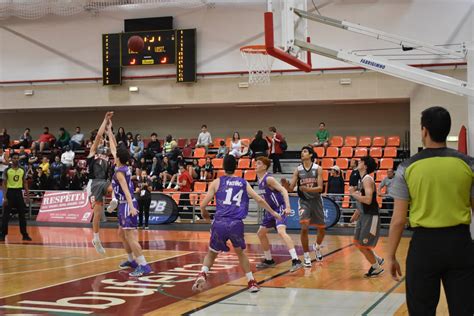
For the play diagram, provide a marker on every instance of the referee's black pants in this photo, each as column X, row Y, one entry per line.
column 440, row 255
column 143, row 209
column 15, row 200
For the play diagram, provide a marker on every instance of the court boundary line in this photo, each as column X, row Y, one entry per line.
column 382, row 298
column 90, row 276
column 188, row 313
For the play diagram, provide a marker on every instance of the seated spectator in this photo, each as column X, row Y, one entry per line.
column 194, row 169
column 121, row 137
column 56, row 169
column 44, row 141
column 63, row 138
column 40, row 180
column 45, row 165
column 25, row 140
column 167, row 171
column 322, row 136
column 175, row 156
column 167, row 146
column 259, row 146
column 154, row 147
column 336, row 184
column 185, row 183
column 142, row 164
column 4, row 160
column 236, row 146
column 223, row 150
column 33, row 160
column 387, row 199
column 204, row 138
column 4, row 139
column 137, row 147
column 154, row 172
column 129, row 139
column 67, row 158
column 23, row 157
column 77, row 140
column 207, row 172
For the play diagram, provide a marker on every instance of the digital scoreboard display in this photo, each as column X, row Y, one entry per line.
column 165, row 47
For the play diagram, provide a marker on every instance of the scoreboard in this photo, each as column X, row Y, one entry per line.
column 166, row 47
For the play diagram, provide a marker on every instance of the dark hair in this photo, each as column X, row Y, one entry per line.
column 153, row 134
column 46, row 127
column 121, row 129
column 169, row 138
column 78, row 127
column 272, row 129
column 123, row 155
column 129, row 134
column 181, row 164
column 204, row 125
column 369, row 163
column 28, row 129
column 15, row 154
column 438, row 123
column 222, row 143
column 238, row 135
column 62, row 129
column 311, row 151
column 322, row 123
column 230, row 164
column 259, row 135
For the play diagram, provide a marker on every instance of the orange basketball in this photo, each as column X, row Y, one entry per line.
column 136, row 43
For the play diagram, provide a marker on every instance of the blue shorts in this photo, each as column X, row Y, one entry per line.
column 224, row 230
column 125, row 219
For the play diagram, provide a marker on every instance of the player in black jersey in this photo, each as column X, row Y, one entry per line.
column 99, row 179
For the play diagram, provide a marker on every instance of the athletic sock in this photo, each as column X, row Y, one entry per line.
column 141, row 260
column 130, row 257
column 376, row 265
column 249, row 276
column 293, row 253
column 205, row 269
column 96, row 237
column 306, row 255
column 268, row 255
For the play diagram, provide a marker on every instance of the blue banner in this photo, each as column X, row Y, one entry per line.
column 163, row 209
column 332, row 213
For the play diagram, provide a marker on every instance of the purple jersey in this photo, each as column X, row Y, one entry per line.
column 119, row 194
column 273, row 198
column 232, row 200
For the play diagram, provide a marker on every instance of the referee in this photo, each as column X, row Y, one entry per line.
column 13, row 183
column 437, row 183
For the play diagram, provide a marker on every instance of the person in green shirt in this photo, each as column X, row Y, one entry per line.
column 437, row 185
column 322, row 136
column 63, row 138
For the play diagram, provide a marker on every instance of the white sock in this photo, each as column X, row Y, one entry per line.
column 249, row 276
column 376, row 265
column 205, row 269
column 130, row 257
column 293, row 253
column 316, row 246
column 306, row 255
column 141, row 260
column 377, row 257
column 268, row 255
column 96, row 237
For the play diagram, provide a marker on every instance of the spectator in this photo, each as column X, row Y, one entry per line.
column 25, row 140
column 336, row 184
column 387, row 199
column 207, row 172
column 154, row 147
column 56, row 169
column 65, row 181
column 76, row 181
column 144, row 199
column 154, row 172
column 44, row 141
column 77, row 140
column 204, row 138
column 259, row 146
column 185, row 182
column 167, row 145
column 236, row 146
column 40, row 180
column 223, row 150
column 129, row 139
column 121, row 137
column 137, row 147
column 275, row 149
column 322, row 136
column 354, row 178
column 33, row 160
column 194, row 169
column 45, row 165
column 67, row 158
column 4, row 139
column 4, row 159
column 142, row 164
column 175, row 156
column 167, row 172
column 23, row 158
column 63, row 138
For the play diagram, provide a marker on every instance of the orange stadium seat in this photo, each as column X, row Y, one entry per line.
column 325, row 175
column 348, row 174
column 336, row 141
column 250, row 175
column 386, row 163
column 376, row 152
column 244, row 163
column 319, row 151
column 350, row 141
column 200, row 186
column 217, row 142
column 378, row 141
column 360, row 152
column 327, row 163
column 220, row 173
column 239, row 173
column 380, row 175
column 347, row 152
column 343, row 163
column 199, row 153
column 332, row 152
column 218, row 163
column 202, row 162
column 393, row 141
column 390, row 152
column 365, row 141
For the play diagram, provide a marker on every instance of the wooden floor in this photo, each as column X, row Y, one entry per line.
column 60, row 272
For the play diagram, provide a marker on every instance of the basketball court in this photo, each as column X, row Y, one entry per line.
column 266, row 65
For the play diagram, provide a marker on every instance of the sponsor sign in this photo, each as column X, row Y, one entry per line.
column 65, row 206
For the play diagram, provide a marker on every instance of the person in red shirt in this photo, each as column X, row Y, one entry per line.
column 185, row 182
column 275, row 148
column 44, row 141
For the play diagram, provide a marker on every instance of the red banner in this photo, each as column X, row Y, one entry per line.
column 65, row 206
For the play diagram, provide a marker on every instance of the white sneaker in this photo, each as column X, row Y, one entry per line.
column 307, row 263
column 319, row 255
column 176, row 187
column 200, row 282
column 112, row 206
column 169, row 186
column 98, row 246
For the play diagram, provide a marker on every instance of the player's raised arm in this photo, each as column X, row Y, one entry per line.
column 113, row 142
column 101, row 132
column 261, row 202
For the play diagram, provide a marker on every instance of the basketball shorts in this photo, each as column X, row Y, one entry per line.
column 367, row 231
column 97, row 189
column 271, row 222
column 223, row 230
column 125, row 219
column 311, row 212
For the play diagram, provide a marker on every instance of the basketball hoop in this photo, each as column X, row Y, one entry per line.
column 259, row 64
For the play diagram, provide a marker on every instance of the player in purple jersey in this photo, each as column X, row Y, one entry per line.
column 277, row 197
column 127, row 210
column 232, row 206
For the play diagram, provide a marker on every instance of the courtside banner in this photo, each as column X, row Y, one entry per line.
column 65, row 206
column 332, row 213
column 163, row 209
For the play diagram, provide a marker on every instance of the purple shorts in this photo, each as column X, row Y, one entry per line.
column 271, row 222
column 125, row 219
column 223, row 230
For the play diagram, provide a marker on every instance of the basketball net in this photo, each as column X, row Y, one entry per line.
column 259, row 64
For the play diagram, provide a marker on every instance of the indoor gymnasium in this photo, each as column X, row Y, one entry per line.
column 236, row 157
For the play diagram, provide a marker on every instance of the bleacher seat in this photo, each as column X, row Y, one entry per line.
column 199, row 153
column 380, row 175
column 200, row 186
column 365, row 141
column 336, row 141
column 347, row 152
column 244, row 163
column 393, row 141
column 375, row 152
column 350, row 141
column 343, row 163
column 217, row 142
column 386, row 163
column 360, row 152
column 187, row 152
column 325, row 175
column 390, row 152
column 239, row 173
column 218, row 163
column 319, row 151
column 220, row 173
column 192, row 142
column 182, row 142
column 378, row 141
column 250, row 175
column 332, row 152
column 327, row 163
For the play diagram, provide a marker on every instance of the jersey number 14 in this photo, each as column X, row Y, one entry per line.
column 237, row 198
